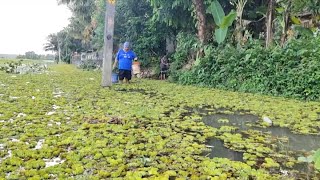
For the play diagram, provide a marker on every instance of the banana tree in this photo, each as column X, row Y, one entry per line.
column 221, row 20
column 285, row 13
column 240, row 4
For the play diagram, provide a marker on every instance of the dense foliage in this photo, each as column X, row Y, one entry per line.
column 288, row 67
column 292, row 71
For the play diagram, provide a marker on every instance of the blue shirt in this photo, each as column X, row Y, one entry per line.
column 125, row 59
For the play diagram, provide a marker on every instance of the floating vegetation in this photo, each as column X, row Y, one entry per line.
column 20, row 67
column 64, row 125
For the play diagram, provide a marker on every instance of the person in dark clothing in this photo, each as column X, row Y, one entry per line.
column 164, row 66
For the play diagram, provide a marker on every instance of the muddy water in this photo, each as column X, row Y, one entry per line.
column 218, row 150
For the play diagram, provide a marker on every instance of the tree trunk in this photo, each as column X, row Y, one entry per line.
column 201, row 20
column 239, row 23
column 269, row 23
column 285, row 29
column 286, row 16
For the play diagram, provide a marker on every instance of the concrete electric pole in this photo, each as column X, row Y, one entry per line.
column 108, row 43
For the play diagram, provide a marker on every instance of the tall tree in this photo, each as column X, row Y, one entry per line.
column 52, row 43
column 269, row 23
column 81, row 22
column 201, row 20
column 63, row 44
column 177, row 14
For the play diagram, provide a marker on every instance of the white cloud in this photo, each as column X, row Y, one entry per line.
column 25, row 24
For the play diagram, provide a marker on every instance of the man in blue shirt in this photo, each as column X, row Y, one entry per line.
column 125, row 57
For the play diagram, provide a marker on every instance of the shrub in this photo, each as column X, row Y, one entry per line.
column 186, row 47
column 292, row 71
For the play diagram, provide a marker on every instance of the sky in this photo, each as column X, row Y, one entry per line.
column 25, row 24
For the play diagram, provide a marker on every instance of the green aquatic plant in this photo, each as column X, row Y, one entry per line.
column 223, row 120
column 314, row 158
column 146, row 129
column 270, row 163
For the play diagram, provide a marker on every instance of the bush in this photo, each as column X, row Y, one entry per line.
column 292, row 71
column 186, row 47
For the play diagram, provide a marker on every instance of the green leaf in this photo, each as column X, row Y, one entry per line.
column 280, row 10
column 228, row 20
column 221, row 34
column 248, row 56
column 316, row 155
column 303, row 31
column 305, row 159
column 295, row 20
column 317, row 165
column 217, row 12
column 170, row 173
column 302, row 159
column 153, row 171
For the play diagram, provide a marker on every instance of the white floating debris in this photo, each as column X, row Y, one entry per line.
column 13, row 76
column 59, row 92
column 11, row 120
column 50, row 113
column 53, row 162
column 1, row 94
column 57, row 96
column 27, row 82
column 55, row 107
column 2, row 121
column 91, row 79
column 39, row 144
column 58, row 123
column 2, row 85
column 9, row 154
column 15, row 140
column 284, row 172
column 267, row 120
column 13, row 97
column 50, row 124
column 1, row 146
column 8, row 175
column 33, row 97
column 38, row 90
column 21, row 115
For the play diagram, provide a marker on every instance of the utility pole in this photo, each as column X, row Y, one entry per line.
column 108, row 43
column 59, row 51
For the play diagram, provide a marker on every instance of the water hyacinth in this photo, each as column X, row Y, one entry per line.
column 147, row 129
